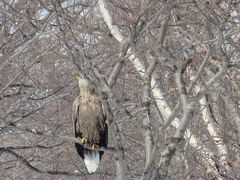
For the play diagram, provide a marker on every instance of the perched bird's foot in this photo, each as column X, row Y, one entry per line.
column 83, row 140
column 95, row 146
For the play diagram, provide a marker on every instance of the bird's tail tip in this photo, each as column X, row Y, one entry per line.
column 91, row 160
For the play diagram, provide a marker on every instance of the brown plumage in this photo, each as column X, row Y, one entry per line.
column 89, row 124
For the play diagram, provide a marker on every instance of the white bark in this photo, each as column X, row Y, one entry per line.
column 156, row 91
column 214, row 131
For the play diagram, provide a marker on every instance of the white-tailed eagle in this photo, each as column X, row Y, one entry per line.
column 89, row 123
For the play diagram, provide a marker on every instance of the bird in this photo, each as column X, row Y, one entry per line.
column 89, row 123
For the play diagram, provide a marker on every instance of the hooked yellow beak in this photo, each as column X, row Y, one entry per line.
column 79, row 76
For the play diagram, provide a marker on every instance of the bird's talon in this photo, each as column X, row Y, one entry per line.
column 95, row 146
column 83, row 140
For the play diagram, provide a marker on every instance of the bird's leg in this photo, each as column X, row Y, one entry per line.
column 83, row 140
column 95, row 146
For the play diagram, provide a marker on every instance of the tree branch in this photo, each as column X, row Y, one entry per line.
column 38, row 170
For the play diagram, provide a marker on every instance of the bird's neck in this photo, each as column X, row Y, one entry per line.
column 86, row 91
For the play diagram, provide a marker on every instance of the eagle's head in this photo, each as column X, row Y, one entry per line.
column 83, row 83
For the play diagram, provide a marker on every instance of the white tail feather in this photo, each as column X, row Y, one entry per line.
column 91, row 160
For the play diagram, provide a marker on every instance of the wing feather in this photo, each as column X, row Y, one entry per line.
column 76, row 126
column 75, row 118
column 105, row 133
